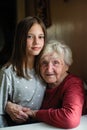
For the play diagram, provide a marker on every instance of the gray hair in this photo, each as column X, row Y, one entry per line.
column 62, row 50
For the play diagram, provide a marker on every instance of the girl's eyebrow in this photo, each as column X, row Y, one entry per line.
column 34, row 34
column 30, row 34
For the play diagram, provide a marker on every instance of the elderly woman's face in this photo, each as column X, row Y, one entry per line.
column 52, row 68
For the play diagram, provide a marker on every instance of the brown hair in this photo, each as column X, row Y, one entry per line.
column 19, row 55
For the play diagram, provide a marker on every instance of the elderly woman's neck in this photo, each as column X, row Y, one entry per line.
column 56, row 84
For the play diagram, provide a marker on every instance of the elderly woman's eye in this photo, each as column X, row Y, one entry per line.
column 44, row 63
column 56, row 62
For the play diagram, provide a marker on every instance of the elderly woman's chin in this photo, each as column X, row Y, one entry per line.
column 50, row 79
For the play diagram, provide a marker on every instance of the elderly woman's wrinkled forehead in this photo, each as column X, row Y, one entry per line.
column 51, row 48
column 51, row 55
column 62, row 51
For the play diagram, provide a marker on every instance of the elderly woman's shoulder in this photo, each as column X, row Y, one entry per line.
column 74, row 78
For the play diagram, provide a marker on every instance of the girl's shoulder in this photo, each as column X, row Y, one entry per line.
column 7, row 69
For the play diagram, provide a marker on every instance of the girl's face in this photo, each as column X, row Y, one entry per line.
column 35, row 40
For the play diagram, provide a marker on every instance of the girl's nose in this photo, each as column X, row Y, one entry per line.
column 36, row 40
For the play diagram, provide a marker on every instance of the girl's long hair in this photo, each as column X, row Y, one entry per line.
column 19, row 56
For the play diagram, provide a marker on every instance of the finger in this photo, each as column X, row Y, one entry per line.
column 25, row 109
column 19, row 119
column 23, row 115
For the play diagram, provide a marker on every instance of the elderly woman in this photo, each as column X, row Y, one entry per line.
column 64, row 98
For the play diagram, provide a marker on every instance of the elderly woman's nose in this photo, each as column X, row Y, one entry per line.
column 50, row 67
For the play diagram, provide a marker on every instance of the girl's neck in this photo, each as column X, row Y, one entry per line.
column 30, row 63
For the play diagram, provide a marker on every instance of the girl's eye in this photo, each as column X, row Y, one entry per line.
column 30, row 36
column 41, row 37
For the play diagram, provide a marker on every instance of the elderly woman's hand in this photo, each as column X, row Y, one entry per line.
column 32, row 113
column 16, row 112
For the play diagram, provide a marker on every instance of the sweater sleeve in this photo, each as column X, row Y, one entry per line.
column 3, row 91
column 4, row 85
column 68, row 116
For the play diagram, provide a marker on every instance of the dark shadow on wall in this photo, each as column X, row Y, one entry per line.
column 40, row 8
column 7, row 28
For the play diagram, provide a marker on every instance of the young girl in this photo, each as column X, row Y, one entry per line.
column 19, row 84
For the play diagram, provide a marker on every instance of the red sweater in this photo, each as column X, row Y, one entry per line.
column 62, row 105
